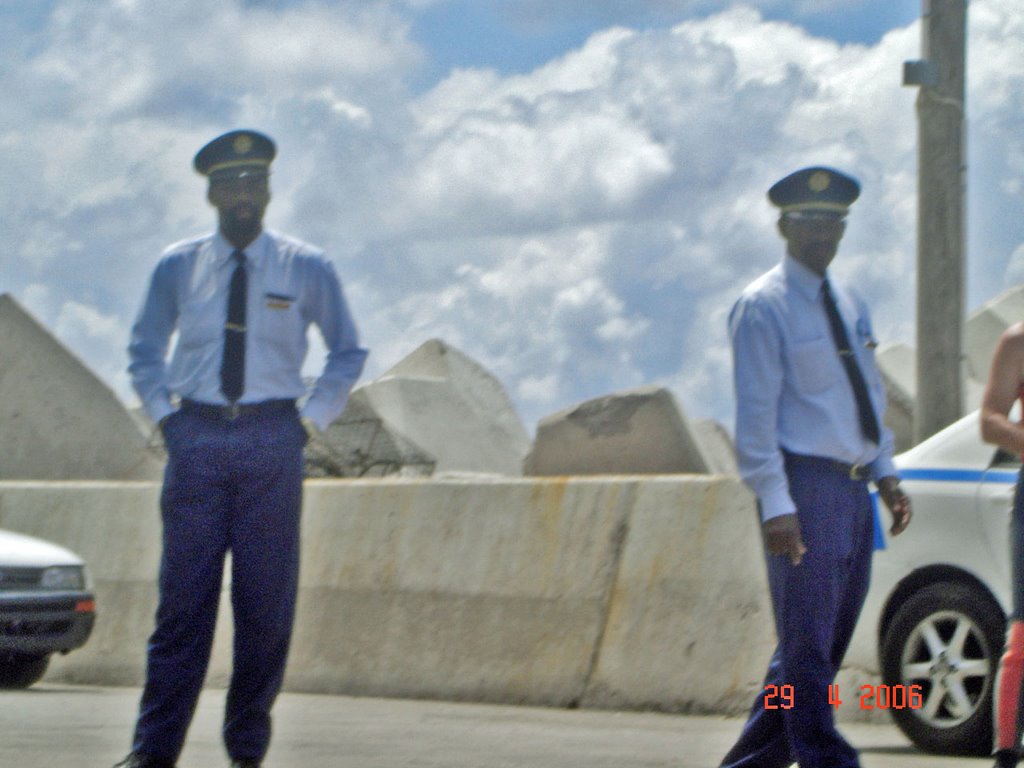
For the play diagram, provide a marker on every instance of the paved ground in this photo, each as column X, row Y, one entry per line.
column 57, row 726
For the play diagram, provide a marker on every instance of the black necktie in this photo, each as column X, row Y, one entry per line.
column 232, row 367
column 866, row 412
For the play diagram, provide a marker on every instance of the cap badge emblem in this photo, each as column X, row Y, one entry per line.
column 242, row 145
column 819, row 181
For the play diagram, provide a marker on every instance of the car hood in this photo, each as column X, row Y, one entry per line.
column 16, row 549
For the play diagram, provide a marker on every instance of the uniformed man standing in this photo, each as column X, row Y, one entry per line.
column 241, row 301
column 809, row 439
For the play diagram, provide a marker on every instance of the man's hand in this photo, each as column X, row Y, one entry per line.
column 782, row 537
column 898, row 503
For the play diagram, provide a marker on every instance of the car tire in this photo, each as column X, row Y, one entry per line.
column 947, row 639
column 20, row 671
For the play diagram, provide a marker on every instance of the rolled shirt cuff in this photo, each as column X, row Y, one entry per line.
column 159, row 411
column 883, row 467
column 776, row 504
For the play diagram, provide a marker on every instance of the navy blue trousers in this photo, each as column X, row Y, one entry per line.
column 229, row 486
column 816, row 605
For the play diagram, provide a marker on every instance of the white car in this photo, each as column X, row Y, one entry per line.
column 46, row 606
column 935, row 615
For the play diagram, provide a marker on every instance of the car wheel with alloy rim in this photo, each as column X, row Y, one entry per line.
column 944, row 644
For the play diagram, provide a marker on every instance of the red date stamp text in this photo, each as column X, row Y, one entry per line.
column 871, row 696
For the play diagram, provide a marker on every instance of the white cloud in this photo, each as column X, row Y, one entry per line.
column 108, row 101
column 578, row 229
column 725, row 105
column 358, row 115
column 80, row 323
column 538, row 389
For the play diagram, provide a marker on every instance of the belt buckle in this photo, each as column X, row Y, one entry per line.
column 233, row 411
column 857, row 472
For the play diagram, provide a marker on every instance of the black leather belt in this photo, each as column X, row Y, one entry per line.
column 861, row 472
column 232, row 412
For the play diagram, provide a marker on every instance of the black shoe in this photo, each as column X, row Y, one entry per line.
column 244, row 764
column 137, row 760
column 1006, row 758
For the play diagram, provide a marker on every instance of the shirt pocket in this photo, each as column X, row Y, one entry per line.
column 280, row 317
column 813, row 365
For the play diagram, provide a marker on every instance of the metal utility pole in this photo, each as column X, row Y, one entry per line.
column 940, row 218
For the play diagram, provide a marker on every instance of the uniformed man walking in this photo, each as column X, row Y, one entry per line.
column 241, row 300
column 809, row 439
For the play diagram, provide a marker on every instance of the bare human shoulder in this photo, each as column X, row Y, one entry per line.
column 1005, row 380
column 1013, row 337
column 1008, row 361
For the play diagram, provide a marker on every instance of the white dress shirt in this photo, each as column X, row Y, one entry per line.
column 291, row 285
column 792, row 391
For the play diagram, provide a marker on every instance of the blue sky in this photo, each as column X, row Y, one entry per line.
column 570, row 193
column 519, row 35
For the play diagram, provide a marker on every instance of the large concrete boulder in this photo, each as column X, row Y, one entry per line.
column 436, row 411
column 983, row 329
column 898, row 363
column 898, row 368
column 716, row 445
column 637, row 431
column 361, row 444
column 58, row 420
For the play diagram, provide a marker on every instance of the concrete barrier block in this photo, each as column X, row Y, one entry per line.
column 898, row 366
column 361, row 444
column 717, row 447
column 452, row 408
column 59, row 421
column 484, row 394
column 689, row 626
column 984, row 327
column 638, row 431
column 607, row 592
column 458, row 590
column 489, row 591
column 433, row 415
column 115, row 528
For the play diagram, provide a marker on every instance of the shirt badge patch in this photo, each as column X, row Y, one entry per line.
column 278, row 300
